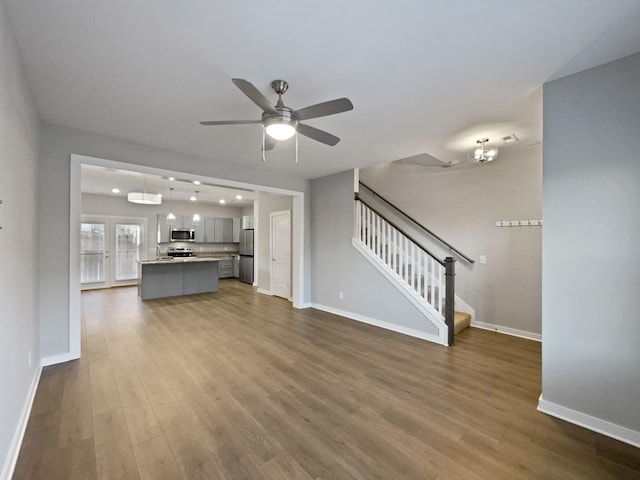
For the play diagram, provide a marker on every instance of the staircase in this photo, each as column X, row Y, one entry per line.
column 425, row 280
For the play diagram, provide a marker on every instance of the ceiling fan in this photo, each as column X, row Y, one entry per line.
column 281, row 122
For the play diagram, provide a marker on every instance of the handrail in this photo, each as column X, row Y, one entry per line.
column 413, row 220
column 441, row 262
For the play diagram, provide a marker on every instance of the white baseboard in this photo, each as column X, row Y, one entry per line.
column 604, row 427
column 265, row 292
column 18, row 435
column 378, row 323
column 61, row 358
column 508, row 331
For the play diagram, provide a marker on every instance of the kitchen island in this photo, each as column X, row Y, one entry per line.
column 179, row 276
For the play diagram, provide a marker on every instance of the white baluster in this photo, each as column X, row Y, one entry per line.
column 419, row 271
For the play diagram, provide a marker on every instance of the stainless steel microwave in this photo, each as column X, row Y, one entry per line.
column 183, row 235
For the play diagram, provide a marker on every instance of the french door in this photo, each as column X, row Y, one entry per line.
column 109, row 251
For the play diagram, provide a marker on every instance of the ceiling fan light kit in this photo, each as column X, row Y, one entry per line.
column 281, row 122
column 482, row 154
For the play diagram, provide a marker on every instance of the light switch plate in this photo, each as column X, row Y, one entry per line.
column 483, row 260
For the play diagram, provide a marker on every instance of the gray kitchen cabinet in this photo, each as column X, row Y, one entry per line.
column 198, row 231
column 227, row 230
column 218, row 235
column 236, row 230
column 163, row 229
column 209, row 229
column 225, row 267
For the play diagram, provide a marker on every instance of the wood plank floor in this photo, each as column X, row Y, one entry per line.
column 237, row 385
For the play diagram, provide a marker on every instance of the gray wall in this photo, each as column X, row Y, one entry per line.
column 57, row 143
column 336, row 266
column 591, row 266
column 119, row 206
column 266, row 204
column 18, row 269
column 462, row 205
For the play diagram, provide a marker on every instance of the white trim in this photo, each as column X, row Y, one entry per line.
column 75, row 214
column 61, row 358
column 286, row 213
column 21, row 427
column 507, row 331
column 624, row 434
column 378, row 323
column 265, row 292
column 303, row 305
column 76, row 161
column 381, row 267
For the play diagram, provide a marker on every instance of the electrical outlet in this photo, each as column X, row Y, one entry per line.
column 340, row 295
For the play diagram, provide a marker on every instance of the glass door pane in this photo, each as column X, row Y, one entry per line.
column 92, row 253
column 127, row 250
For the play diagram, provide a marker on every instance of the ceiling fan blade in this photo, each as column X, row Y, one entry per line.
column 230, row 122
column 425, row 160
column 318, row 135
column 331, row 107
column 269, row 143
column 254, row 94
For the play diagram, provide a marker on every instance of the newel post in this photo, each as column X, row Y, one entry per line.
column 450, row 286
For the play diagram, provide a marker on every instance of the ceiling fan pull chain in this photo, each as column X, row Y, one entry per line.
column 264, row 159
column 296, row 148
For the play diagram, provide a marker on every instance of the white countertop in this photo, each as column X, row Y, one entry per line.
column 180, row 260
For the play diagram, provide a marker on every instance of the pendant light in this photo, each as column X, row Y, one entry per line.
column 171, row 218
column 196, row 217
column 145, row 198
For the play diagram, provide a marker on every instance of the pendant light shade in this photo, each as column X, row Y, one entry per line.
column 196, row 217
column 171, row 218
column 144, row 198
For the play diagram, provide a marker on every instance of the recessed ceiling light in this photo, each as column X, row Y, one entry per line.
column 238, row 197
column 223, row 201
column 197, row 182
column 115, row 190
column 193, row 198
column 172, row 178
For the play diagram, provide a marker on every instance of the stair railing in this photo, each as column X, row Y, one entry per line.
column 430, row 279
column 419, row 225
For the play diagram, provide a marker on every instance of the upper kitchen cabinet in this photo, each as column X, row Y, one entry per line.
column 164, row 229
column 209, row 230
column 236, row 230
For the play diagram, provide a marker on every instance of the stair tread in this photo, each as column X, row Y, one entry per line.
column 461, row 320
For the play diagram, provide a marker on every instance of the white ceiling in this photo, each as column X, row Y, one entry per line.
column 100, row 181
column 424, row 76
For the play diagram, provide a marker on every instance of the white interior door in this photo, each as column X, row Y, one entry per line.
column 281, row 254
column 109, row 251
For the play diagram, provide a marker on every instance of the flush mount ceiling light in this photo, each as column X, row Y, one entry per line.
column 144, row 198
column 482, row 154
column 115, row 190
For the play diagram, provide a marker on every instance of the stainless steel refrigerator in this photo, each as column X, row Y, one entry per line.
column 246, row 256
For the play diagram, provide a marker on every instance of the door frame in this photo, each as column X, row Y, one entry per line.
column 271, row 245
column 300, row 258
